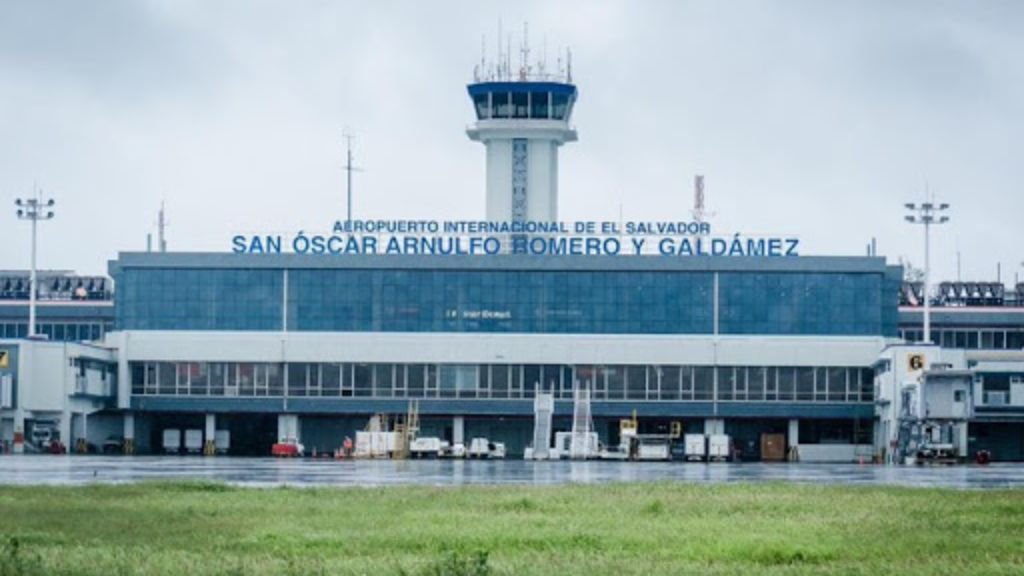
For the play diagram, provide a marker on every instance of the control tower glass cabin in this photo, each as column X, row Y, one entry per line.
column 522, row 123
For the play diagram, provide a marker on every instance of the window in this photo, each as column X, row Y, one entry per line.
column 459, row 380
column 669, row 377
column 560, row 106
column 804, row 384
column 616, row 382
column 363, row 383
column 539, row 105
column 480, row 101
column 298, row 375
column 499, row 381
column 703, row 382
column 636, row 382
column 166, row 378
column 501, row 104
column 520, row 105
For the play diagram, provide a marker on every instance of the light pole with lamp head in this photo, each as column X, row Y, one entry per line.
column 927, row 213
column 33, row 209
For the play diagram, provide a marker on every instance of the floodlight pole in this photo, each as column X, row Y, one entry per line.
column 33, row 209
column 926, row 214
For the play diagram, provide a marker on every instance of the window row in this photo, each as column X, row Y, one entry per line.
column 521, row 301
column 504, row 381
column 536, row 105
column 58, row 331
column 999, row 339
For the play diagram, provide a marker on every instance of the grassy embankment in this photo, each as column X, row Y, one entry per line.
column 615, row 529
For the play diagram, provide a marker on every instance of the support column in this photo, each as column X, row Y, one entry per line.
column 82, row 443
column 64, row 428
column 458, row 430
column 18, row 444
column 714, row 426
column 793, row 440
column 210, row 446
column 288, row 428
column 962, row 438
column 129, row 433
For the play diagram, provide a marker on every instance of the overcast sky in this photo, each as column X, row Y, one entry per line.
column 816, row 119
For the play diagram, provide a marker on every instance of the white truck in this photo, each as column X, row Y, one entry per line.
column 43, row 436
column 426, row 447
column 478, row 448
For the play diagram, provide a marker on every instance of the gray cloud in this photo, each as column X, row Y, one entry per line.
column 812, row 118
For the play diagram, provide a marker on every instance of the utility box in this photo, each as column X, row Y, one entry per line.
column 719, row 447
column 696, row 447
column 222, row 441
column 172, row 440
column 194, row 441
column 773, row 447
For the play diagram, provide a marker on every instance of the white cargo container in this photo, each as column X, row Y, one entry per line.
column 194, row 441
column 719, row 447
column 222, row 441
column 652, row 451
column 172, row 440
column 375, row 444
column 696, row 447
column 426, row 447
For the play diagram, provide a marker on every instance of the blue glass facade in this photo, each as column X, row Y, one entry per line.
column 502, row 294
column 198, row 299
column 579, row 302
column 800, row 303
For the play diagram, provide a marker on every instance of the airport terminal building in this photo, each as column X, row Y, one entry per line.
column 309, row 346
column 742, row 345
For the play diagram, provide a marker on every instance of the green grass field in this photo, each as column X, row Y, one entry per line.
column 195, row 528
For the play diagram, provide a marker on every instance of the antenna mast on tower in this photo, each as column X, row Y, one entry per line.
column 349, row 169
column 161, row 229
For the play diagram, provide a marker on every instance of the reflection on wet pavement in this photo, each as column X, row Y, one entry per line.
column 55, row 470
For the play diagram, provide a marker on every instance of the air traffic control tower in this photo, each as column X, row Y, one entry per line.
column 522, row 117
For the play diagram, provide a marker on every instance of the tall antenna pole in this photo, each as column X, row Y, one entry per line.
column 348, row 173
column 33, row 209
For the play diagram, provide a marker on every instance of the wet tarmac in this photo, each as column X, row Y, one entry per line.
column 261, row 472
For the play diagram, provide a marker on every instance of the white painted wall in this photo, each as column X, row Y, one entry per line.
column 544, row 136
column 499, row 180
column 542, row 181
column 496, row 348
